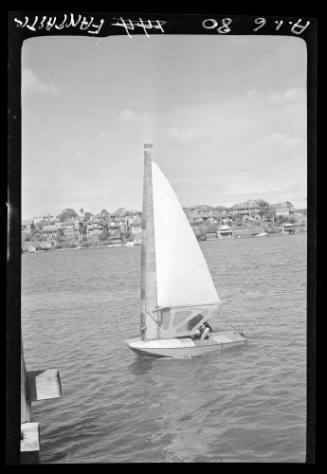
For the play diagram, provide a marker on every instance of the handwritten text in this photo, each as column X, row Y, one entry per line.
column 132, row 25
column 81, row 22
column 223, row 26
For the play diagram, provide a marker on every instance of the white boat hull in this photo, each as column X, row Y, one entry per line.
column 185, row 346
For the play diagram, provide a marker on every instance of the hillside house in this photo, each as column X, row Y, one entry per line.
column 115, row 235
column 94, row 228
column 300, row 216
column 200, row 214
column 50, row 231
column 49, row 218
column 121, row 212
column 137, row 234
column 192, row 214
column 284, row 209
column 27, row 225
column 116, row 222
column 247, row 209
column 134, row 219
column 223, row 217
column 69, row 231
column 94, row 232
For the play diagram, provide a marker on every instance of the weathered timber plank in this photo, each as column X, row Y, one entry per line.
column 30, row 437
column 44, row 384
column 25, row 405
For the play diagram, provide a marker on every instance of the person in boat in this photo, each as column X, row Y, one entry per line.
column 197, row 334
column 207, row 325
column 204, row 332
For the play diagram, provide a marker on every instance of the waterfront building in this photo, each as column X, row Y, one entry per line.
column 211, row 235
column 288, row 228
column 224, row 231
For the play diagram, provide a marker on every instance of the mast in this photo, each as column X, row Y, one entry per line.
column 149, row 327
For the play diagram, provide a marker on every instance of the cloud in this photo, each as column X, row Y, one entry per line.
column 277, row 137
column 251, row 93
column 294, row 142
column 128, row 115
column 179, row 136
column 31, row 83
column 290, row 95
column 285, row 140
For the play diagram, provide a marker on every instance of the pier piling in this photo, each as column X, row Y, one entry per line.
column 36, row 385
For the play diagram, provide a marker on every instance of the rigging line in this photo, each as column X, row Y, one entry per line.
column 231, row 325
column 157, row 322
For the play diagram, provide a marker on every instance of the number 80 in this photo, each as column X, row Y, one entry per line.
column 210, row 24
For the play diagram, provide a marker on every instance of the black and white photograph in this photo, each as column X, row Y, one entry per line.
column 163, row 223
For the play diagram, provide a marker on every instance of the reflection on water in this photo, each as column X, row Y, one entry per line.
column 141, row 365
column 182, row 404
column 241, row 404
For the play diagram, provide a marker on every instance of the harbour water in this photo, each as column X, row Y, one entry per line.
column 244, row 404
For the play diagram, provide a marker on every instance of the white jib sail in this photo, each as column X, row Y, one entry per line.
column 183, row 277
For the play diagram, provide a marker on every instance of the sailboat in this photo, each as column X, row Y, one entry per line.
column 178, row 296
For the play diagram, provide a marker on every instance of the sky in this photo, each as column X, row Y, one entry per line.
column 226, row 115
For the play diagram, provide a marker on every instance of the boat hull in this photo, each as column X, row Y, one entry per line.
column 186, row 346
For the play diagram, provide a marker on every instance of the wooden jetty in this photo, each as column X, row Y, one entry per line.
column 36, row 385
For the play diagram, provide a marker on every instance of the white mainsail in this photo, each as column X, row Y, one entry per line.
column 183, row 277
column 178, row 295
column 177, row 291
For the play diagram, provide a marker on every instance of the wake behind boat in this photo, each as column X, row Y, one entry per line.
column 178, row 296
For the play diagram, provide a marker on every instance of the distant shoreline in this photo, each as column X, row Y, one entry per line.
column 51, row 249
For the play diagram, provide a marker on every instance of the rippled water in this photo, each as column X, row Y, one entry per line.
column 244, row 404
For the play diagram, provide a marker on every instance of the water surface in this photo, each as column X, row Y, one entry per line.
column 244, row 404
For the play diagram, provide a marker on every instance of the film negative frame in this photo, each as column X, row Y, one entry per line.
column 23, row 25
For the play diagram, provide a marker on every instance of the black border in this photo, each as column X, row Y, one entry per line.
column 187, row 23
